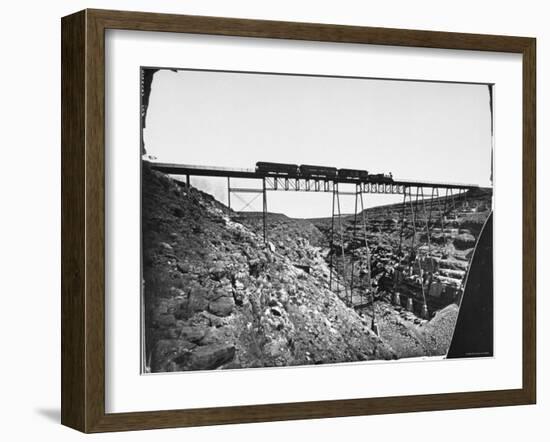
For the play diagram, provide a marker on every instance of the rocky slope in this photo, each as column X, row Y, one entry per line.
column 216, row 297
column 410, row 336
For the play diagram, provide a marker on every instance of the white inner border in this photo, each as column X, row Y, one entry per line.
column 127, row 390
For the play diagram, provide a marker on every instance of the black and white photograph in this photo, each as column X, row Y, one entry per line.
column 274, row 221
column 293, row 220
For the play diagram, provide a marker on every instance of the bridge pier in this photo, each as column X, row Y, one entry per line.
column 374, row 325
column 410, row 304
column 424, row 314
column 229, row 193
column 264, row 206
column 331, row 241
column 397, row 298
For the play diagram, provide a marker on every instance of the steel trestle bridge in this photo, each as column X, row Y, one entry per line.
column 444, row 194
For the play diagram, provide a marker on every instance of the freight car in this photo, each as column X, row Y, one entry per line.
column 353, row 174
column 309, row 171
column 276, row 168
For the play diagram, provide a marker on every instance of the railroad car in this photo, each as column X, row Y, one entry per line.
column 353, row 174
column 309, row 171
column 277, row 168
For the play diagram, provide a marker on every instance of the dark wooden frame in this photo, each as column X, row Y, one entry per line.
column 83, row 216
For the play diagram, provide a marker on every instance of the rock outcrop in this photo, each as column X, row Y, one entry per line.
column 426, row 256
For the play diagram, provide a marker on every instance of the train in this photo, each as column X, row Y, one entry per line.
column 323, row 172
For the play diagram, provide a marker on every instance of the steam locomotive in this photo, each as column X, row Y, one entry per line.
column 381, row 178
column 310, row 171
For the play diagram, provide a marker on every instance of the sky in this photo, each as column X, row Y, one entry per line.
column 428, row 131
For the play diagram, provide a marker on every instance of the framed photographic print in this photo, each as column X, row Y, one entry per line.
column 270, row 220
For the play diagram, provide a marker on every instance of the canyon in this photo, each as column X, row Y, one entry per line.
column 217, row 296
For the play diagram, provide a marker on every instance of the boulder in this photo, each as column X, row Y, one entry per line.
column 239, row 296
column 183, row 267
column 219, row 292
column 222, row 306
column 197, row 301
column 166, row 350
column 210, row 357
column 192, row 334
column 167, row 247
column 218, row 271
column 213, row 335
column 256, row 266
column 166, row 321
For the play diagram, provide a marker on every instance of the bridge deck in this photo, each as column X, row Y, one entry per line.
column 192, row 170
